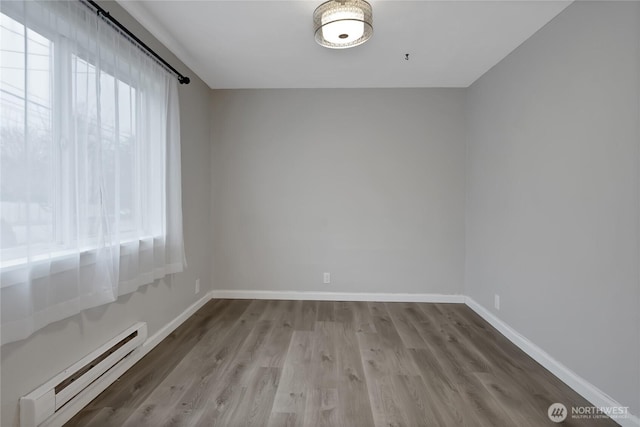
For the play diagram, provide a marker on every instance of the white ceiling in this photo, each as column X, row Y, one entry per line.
column 270, row 44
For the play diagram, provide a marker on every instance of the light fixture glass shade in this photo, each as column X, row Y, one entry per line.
column 340, row 24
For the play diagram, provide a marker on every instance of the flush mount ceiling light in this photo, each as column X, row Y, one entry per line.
column 340, row 24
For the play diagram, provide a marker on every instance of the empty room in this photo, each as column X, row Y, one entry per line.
column 302, row 213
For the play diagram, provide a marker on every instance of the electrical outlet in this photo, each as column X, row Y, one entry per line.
column 327, row 278
column 197, row 286
column 496, row 301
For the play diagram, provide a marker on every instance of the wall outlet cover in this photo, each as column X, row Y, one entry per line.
column 327, row 278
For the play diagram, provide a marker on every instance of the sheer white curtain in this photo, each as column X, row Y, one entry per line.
column 90, row 181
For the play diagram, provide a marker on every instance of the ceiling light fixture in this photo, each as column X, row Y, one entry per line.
column 339, row 24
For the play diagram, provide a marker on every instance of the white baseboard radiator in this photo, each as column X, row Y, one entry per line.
column 55, row 402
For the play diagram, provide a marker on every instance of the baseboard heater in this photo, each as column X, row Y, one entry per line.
column 76, row 386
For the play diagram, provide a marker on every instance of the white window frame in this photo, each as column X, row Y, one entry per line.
column 62, row 54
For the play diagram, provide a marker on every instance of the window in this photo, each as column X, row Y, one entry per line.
column 90, row 198
column 26, row 107
column 41, row 109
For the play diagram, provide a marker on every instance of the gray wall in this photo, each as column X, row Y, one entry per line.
column 552, row 201
column 367, row 184
column 29, row 363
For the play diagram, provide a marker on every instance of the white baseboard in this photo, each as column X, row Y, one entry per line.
column 581, row 386
column 156, row 338
column 336, row 296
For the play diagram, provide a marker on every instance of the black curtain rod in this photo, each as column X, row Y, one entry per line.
column 182, row 79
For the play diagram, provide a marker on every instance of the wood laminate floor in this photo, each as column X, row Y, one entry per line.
column 240, row 363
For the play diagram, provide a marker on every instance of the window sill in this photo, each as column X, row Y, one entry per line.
column 86, row 255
